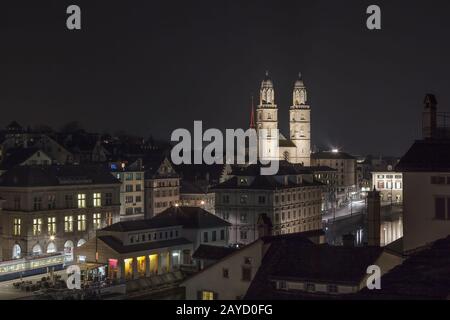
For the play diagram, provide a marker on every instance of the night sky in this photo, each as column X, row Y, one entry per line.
column 149, row 67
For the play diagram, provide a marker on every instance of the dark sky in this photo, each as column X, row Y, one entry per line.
column 149, row 67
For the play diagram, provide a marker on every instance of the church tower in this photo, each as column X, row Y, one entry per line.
column 300, row 123
column 267, row 118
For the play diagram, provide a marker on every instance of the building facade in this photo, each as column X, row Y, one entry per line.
column 426, row 183
column 162, row 186
column 390, row 186
column 291, row 200
column 55, row 208
column 345, row 165
column 132, row 194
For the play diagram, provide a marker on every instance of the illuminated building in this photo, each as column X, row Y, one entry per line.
column 50, row 209
column 296, row 149
column 291, row 199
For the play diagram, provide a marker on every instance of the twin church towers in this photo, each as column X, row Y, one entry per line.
column 296, row 149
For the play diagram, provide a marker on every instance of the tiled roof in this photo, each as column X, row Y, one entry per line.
column 424, row 275
column 118, row 246
column 426, row 156
column 190, row 218
column 16, row 156
column 263, row 183
column 331, row 155
column 42, row 176
column 212, row 252
column 302, row 261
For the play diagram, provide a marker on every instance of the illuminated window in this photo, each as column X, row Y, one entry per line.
column 97, row 219
column 81, row 200
column 17, row 223
column 51, row 225
column 207, row 295
column 128, row 268
column 68, row 223
column 109, row 219
column 81, row 222
column 141, row 266
column 153, row 264
column 97, row 199
column 37, row 226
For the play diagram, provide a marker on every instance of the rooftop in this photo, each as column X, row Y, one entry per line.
column 331, row 155
column 54, row 175
column 212, row 252
column 190, row 218
column 426, row 156
column 118, row 246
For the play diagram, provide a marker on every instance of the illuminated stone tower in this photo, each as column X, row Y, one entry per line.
column 300, row 123
column 267, row 118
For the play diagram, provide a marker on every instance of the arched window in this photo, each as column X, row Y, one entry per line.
column 16, row 251
column 37, row 250
column 68, row 249
column 51, row 247
column 81, row 242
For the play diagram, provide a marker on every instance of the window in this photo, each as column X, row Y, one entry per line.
column 207, row 295
column 138, row 198
column 128, row 211
column 97, row 199
column 108, row 199
column 246, row 273
column 138, row 187
column 68, row 223
column 222, row 234
column 68, row 199
column 17, row 203
column 437, row 180
column 37, row 203
column 225, row 273
column 439, row 208
column 205, row 236
column 81, row 222
column 332, row 288
column 310, row 287
column 243, row 235
column 51, row 202
column 51, row 224
column 17, row 224
column 139, row 176
column 129, row 176
column 261, row 199
column 81, row 200
column 244, row 217
column 226, row 199
column 97, row 220
column 37, row 226
column 129, row 188
column 109, row 219
column 129, row 199
column 214, row 235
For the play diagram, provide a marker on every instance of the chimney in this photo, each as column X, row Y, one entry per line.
column 429, row 122
column 348, row 240
column 373, row 217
